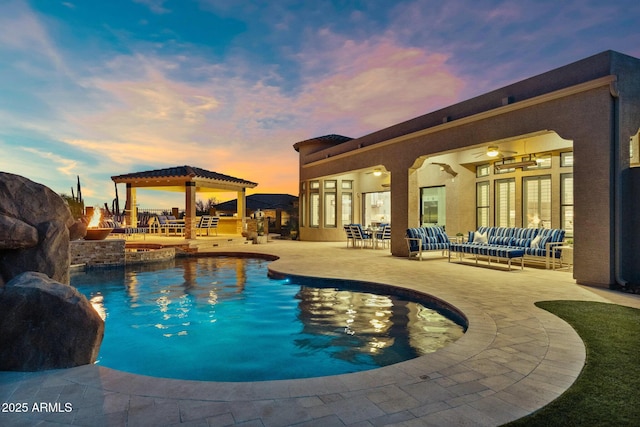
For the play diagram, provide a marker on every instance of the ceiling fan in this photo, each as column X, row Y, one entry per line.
column 377, row 172
column 493, row 151
column 446, row 168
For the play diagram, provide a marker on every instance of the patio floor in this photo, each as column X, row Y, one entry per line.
column 514, row 359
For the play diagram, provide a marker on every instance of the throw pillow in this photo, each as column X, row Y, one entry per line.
column 478, row 237
column 535, row 243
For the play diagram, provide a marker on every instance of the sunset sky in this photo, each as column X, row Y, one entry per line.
column 101, row 88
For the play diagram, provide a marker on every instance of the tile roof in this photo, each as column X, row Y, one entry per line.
column 183, row 171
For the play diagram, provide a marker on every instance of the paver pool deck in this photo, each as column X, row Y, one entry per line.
column 514, row 359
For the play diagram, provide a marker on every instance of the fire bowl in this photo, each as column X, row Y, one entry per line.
column 97, row 233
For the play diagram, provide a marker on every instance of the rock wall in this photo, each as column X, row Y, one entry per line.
column 35, row 228
column 44, row 322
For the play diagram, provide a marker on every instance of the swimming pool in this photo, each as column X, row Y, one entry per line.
column 223, row 319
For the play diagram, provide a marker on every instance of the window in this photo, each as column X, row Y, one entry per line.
column 482, row 204
column 566, row 159
column 314, row 209
column 505, row 203
column 504, row 162
column 329, row 209
column 330, row 203
column 543, row 161
column 314, row 204
column 433, row 206
column 347, row 208
column 482, row 170
column 347, row 202
column 566, row 203
column 537, row 202
column 303, row 205
column 376, row 207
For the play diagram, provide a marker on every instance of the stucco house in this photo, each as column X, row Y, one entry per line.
column 558, row 150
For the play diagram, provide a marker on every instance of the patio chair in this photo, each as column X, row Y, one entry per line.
column 168, row 224
column 347, row 230
column 154, row 225
column 383, row 235
column 203, row 225
column 359, row 235
column 214, row 224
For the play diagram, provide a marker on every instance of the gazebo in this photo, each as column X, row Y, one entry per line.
column 187, row 179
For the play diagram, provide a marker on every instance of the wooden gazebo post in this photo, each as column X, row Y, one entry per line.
column 190, row 210
column 241, row 209
column 131, row 215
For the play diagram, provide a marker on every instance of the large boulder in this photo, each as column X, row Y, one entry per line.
column 28, row 212
column 16, row 234
column 45, row 324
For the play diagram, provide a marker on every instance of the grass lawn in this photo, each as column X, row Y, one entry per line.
column 607, row 392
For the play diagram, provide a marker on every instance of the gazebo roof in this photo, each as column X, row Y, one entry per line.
column 174, row 178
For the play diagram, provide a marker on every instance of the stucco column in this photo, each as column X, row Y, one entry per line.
column 242, row 203
column 241, row 210
column 130, row 206
column 400, row 210
column 190, row 210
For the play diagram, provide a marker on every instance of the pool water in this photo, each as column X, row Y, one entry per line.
column 223, row 319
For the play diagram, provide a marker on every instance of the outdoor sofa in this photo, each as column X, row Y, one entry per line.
column 509, row 243
column 423, row 239
column 117, row 224
column 166, row 224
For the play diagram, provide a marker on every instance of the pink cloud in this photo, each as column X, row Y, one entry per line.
column 378, row 83
column 246, row 129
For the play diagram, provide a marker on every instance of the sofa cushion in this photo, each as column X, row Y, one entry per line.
column 521, row 243
column 553, row 234
column 442, row 236
column 503, row 232
column 427, row 240
column 525, row 233
column 500, row 240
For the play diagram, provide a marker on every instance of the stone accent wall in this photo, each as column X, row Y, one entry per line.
column 141, row 255
column 253, row 225
column 94, row 253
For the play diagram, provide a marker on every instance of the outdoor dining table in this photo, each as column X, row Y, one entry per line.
column 372, row 232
